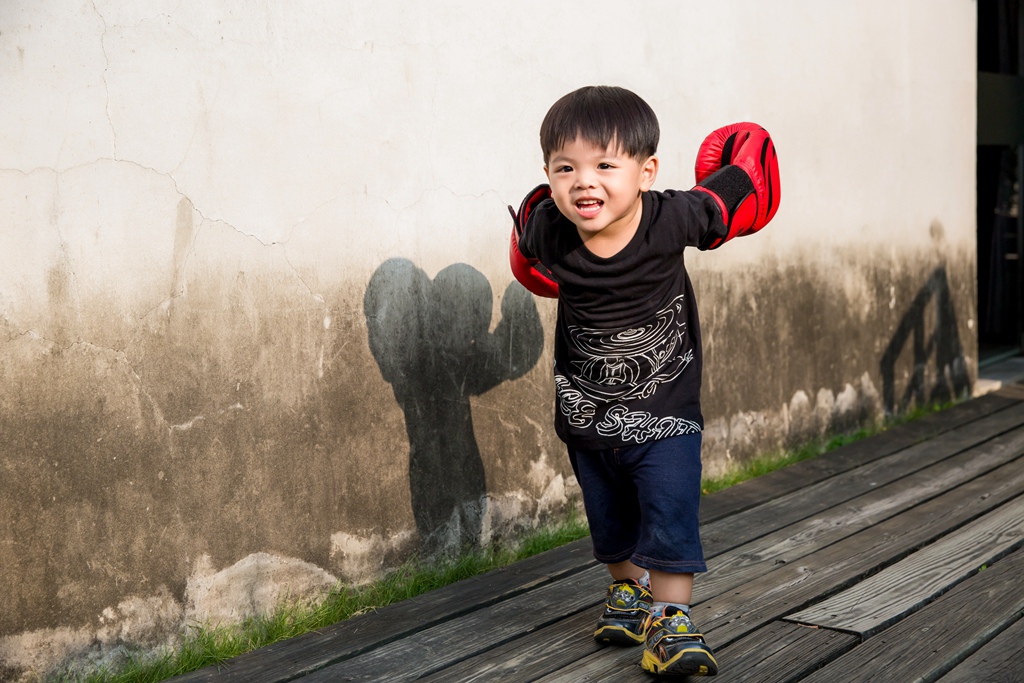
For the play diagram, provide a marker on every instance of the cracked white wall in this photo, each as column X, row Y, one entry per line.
column 195, row 196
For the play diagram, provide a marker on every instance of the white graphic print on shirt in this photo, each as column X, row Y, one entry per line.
column 622, row 365
column 641, row 426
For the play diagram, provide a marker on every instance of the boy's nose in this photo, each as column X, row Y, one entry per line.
column 583, row 180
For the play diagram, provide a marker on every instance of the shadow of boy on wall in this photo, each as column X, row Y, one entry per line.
column 930, row 326
column 432, row 342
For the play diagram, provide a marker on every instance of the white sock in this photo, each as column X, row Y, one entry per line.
column 658, row 608
column 645, row 580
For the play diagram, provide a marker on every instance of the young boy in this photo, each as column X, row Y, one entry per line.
column 627, row 345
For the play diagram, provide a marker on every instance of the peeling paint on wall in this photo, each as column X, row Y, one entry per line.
column 147, row 624
column 256, row 585
column 362, row 558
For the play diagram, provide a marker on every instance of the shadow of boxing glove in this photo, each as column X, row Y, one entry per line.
column 737, row 165
column 529, row 271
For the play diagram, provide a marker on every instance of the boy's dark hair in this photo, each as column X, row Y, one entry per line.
column 600, row 114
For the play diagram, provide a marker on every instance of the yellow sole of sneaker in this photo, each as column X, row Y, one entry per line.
column 617, row 635
column 689, row 662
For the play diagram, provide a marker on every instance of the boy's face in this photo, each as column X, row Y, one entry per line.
column 598, row 189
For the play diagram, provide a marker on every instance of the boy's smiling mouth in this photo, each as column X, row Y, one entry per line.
column 588, row 208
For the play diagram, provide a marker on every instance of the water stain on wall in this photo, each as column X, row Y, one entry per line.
column 60, row 301
column 184, row 236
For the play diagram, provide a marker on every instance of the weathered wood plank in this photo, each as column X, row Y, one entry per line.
column 792, row 587
column 525, row 659
column 799, row 475
column 610, row 665
column 779, row 654
column 1012, row 391
column 432, row 649
column 896, row 591
column 751, row 560
column 732, row 615
column 292, row 658
column 776, row 653
column 932, row 641
column 1001, row 660
column 760, row 520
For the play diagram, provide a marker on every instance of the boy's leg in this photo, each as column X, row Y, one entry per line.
column 668, row 482
column 621, row 571
column 676, row 589
column 613, row 515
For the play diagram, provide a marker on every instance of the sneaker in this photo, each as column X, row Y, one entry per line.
column 626, row 612
column 675, row 647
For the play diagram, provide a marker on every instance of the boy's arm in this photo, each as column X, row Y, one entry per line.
column 527, row 269
column 738, row 167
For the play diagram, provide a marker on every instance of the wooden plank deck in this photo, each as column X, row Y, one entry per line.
column 900, row 557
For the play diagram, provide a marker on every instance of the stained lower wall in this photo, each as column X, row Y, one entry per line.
column 348, row 433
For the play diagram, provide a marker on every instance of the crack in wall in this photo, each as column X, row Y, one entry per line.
column 120, row 357
column 106, row 68
column 209, row 218
column 30, row 333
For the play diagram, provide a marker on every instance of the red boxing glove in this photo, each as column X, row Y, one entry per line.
column 738, row 166
column 530, row 272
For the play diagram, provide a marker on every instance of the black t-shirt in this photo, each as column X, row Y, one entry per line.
column 627, row 345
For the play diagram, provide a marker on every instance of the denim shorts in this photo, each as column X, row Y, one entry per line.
column 642, row 503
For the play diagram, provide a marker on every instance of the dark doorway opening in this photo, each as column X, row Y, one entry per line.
column 1000, row 168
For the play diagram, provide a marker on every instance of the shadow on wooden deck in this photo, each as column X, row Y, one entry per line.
column 896, row 558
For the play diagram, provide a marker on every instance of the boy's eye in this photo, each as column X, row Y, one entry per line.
column 563, row 169
column 604, row 166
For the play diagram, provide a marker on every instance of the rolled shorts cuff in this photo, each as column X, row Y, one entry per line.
column 672, row 567
column 616, row 558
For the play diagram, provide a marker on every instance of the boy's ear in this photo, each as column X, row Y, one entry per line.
column 547, row 174
column 648, row 173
